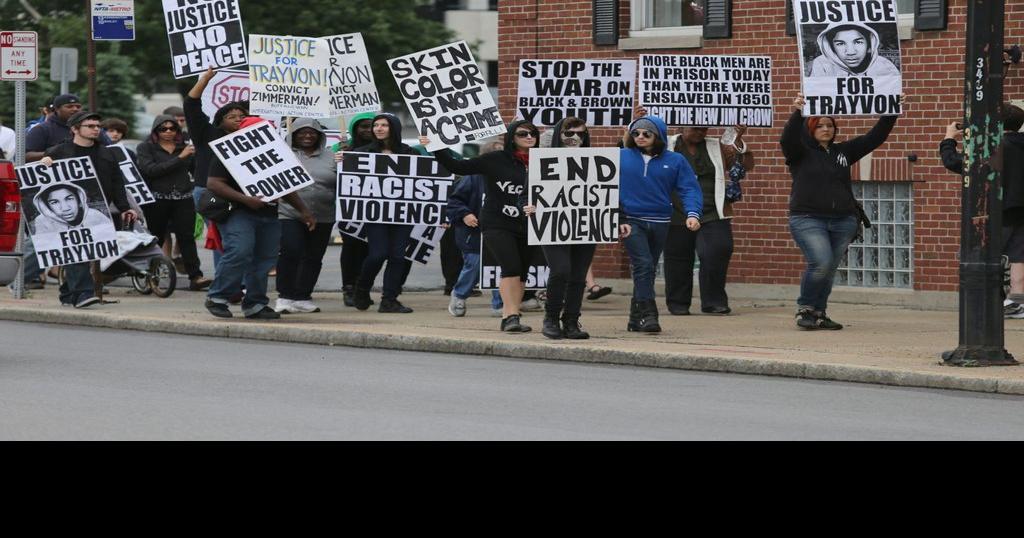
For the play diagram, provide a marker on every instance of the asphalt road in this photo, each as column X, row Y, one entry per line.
column 78, row 383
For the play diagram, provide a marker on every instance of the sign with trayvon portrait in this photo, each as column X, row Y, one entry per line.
column 576, row 196
column 707, row 91
column 204, row 34
column 392, row 189
column 423, row 240
column 66, row 212
column 849, row 57
column 600, row 92
column 261, row 162
column 447, row 95
column 134, row 184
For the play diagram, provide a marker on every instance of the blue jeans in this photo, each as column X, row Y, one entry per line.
column 29, row 259
column 251, row 245
column 823, row 240
column 496, row 302
column 644, row 245
column 197, row 191
column 77, row 285
column 469, row 276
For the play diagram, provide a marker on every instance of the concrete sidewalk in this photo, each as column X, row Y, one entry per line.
column 880, row 344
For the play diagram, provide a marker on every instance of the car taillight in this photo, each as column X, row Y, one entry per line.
column 10, row 208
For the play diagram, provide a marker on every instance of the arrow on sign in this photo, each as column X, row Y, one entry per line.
column 9, row 72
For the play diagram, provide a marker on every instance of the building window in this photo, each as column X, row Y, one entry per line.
column 665, row 24
column 673, row 13
column 884, row 259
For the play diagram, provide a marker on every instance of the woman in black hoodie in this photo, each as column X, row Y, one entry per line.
column 823, row 214
column 386, row 242
column 502, row 221
column 166, row 161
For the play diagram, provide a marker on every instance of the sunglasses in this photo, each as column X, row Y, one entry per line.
column 166, row 129
column 573, row 134
column 640, row 133
column 526, row 134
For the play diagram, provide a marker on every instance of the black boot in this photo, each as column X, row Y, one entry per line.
column 572, row 329
column 650, row 318
column 348, row 294
column 392, row 306
column 634, row 315
column 361, row 298
column 551, row 328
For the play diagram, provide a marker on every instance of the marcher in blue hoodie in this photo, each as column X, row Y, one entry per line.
column 648, row 173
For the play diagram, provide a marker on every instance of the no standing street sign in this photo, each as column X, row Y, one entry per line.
column 19, row 56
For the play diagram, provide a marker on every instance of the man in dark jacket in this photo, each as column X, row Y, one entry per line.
column 463, row 210
column 1013, row 197
column 77, row 288
column 56, row 129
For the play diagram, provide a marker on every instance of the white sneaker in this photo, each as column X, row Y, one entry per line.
column 457, row 307
column 530, row 305
column 1012, row 310
column 284, row 306
column 303, row 307
column 496, row 313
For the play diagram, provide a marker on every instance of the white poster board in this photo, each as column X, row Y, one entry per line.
column 600, row 92
column 392, row 189
column 423, row 240
column 350, row 78
column 288, row 76
column 134, row 183
column 260, row 162
column 576, row 195
column 850, row 60
column 203, row 34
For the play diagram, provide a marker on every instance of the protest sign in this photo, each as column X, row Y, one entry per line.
column 536, row 274
column 392, row 189
column 261, row 162
column 599, row 92
column 66, row 212
column 423, row 240
column 447, row 95
column 849, row 57
column 203, row 34
column 134, row 184
column 288, row 76
column 576, row 195
column 707, row 91
column 349, row 77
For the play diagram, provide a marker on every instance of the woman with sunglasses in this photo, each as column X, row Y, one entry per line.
column 166, row 164
column 648, row 175
column 502, row 220
column 568, row 264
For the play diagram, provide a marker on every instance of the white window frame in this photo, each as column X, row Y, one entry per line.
column 671, row 37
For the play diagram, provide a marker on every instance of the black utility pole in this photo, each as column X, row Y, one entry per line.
column 981, row 219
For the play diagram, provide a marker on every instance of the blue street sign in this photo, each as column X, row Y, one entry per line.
column 113, row 20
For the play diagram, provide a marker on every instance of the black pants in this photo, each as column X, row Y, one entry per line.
column 451, row 259
column 567, row 279
column 387, row 242
column 301, row 258
column 713, row 244
column 179, row 217
column 353, row 255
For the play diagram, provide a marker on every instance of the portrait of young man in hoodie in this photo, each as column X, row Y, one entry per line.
column 64, row 206
column 850, row 49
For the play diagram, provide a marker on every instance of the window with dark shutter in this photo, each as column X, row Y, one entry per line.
column 717, row 18
column 790, row 23
column 930, row 15
column 606, row 22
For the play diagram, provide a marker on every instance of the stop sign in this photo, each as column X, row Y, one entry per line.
column 226, row 86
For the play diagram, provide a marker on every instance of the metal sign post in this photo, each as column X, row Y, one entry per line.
column 19, row 61
column 19, row 160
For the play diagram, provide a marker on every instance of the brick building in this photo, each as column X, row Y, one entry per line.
column 913, row 200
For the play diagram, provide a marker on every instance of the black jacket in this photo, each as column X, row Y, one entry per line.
column 164, row 171
column 107, row 169
column 202, row 133
column 465, row 200
column 821, row 178
column 504, row 184
column 1012, row 175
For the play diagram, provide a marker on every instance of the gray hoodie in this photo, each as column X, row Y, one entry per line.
column 320, row 197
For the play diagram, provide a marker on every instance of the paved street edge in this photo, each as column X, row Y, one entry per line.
column 524, row 350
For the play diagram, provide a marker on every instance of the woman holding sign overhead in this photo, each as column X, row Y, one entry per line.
column 502, row 220
column 824, row 216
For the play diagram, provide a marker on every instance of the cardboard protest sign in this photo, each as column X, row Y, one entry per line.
column 600, row 92
column 707, row 91
column 576, row 193
column 490, row 271
column 423, row 240
column 203, row 34
column 349, row 77
column 66, row 212
column 447, row 95
column 134, row 184
column 392, row 189
column 849, row 57
column 261, row 162
column 288, row 76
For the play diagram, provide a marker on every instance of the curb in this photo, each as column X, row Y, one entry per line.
column 535, row 351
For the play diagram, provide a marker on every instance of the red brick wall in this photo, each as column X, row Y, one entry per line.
column 764, row 251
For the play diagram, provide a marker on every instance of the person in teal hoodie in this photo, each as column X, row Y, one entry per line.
column 648, row 174
column 354, row 251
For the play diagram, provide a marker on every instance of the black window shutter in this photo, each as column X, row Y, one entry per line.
column 717, row 18
column 606, row 22
column 790, row 23
column 930, row 15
